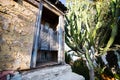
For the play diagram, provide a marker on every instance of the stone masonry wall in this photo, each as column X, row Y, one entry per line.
column 17, row 24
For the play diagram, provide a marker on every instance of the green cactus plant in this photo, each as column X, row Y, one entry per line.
column 87, row 27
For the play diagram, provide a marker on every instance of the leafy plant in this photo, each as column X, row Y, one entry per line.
column 91, row 28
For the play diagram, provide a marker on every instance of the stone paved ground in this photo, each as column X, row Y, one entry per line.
column 70, row 76
column 61, row 72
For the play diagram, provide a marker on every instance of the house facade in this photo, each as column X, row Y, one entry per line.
column 31, row 33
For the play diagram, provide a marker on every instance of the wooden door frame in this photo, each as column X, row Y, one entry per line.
column 36, row 37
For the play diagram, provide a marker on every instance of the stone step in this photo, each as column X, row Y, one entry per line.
column 61, row 72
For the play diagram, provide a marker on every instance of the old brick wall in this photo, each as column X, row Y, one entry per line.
column 17, row 24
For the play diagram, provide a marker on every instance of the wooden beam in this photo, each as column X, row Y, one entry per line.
column 36, row 37
column 52, row 8
column 19, row 1
column 61, row 55
column 47, row 5
column 33, row 2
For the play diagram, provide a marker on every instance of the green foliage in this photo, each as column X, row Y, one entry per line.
column 91, row 28
column 67, row 58
column 114, row 9
column 79, row 67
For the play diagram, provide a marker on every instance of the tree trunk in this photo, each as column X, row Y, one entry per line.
column 91, row 74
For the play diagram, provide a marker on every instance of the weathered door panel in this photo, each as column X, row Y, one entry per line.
column 53, row 40
column 44, row 38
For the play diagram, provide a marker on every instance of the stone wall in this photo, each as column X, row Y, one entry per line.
column 17, row 24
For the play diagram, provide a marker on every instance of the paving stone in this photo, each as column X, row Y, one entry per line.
column 61, row 72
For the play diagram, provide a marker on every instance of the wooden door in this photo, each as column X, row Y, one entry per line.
column 44, row 37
